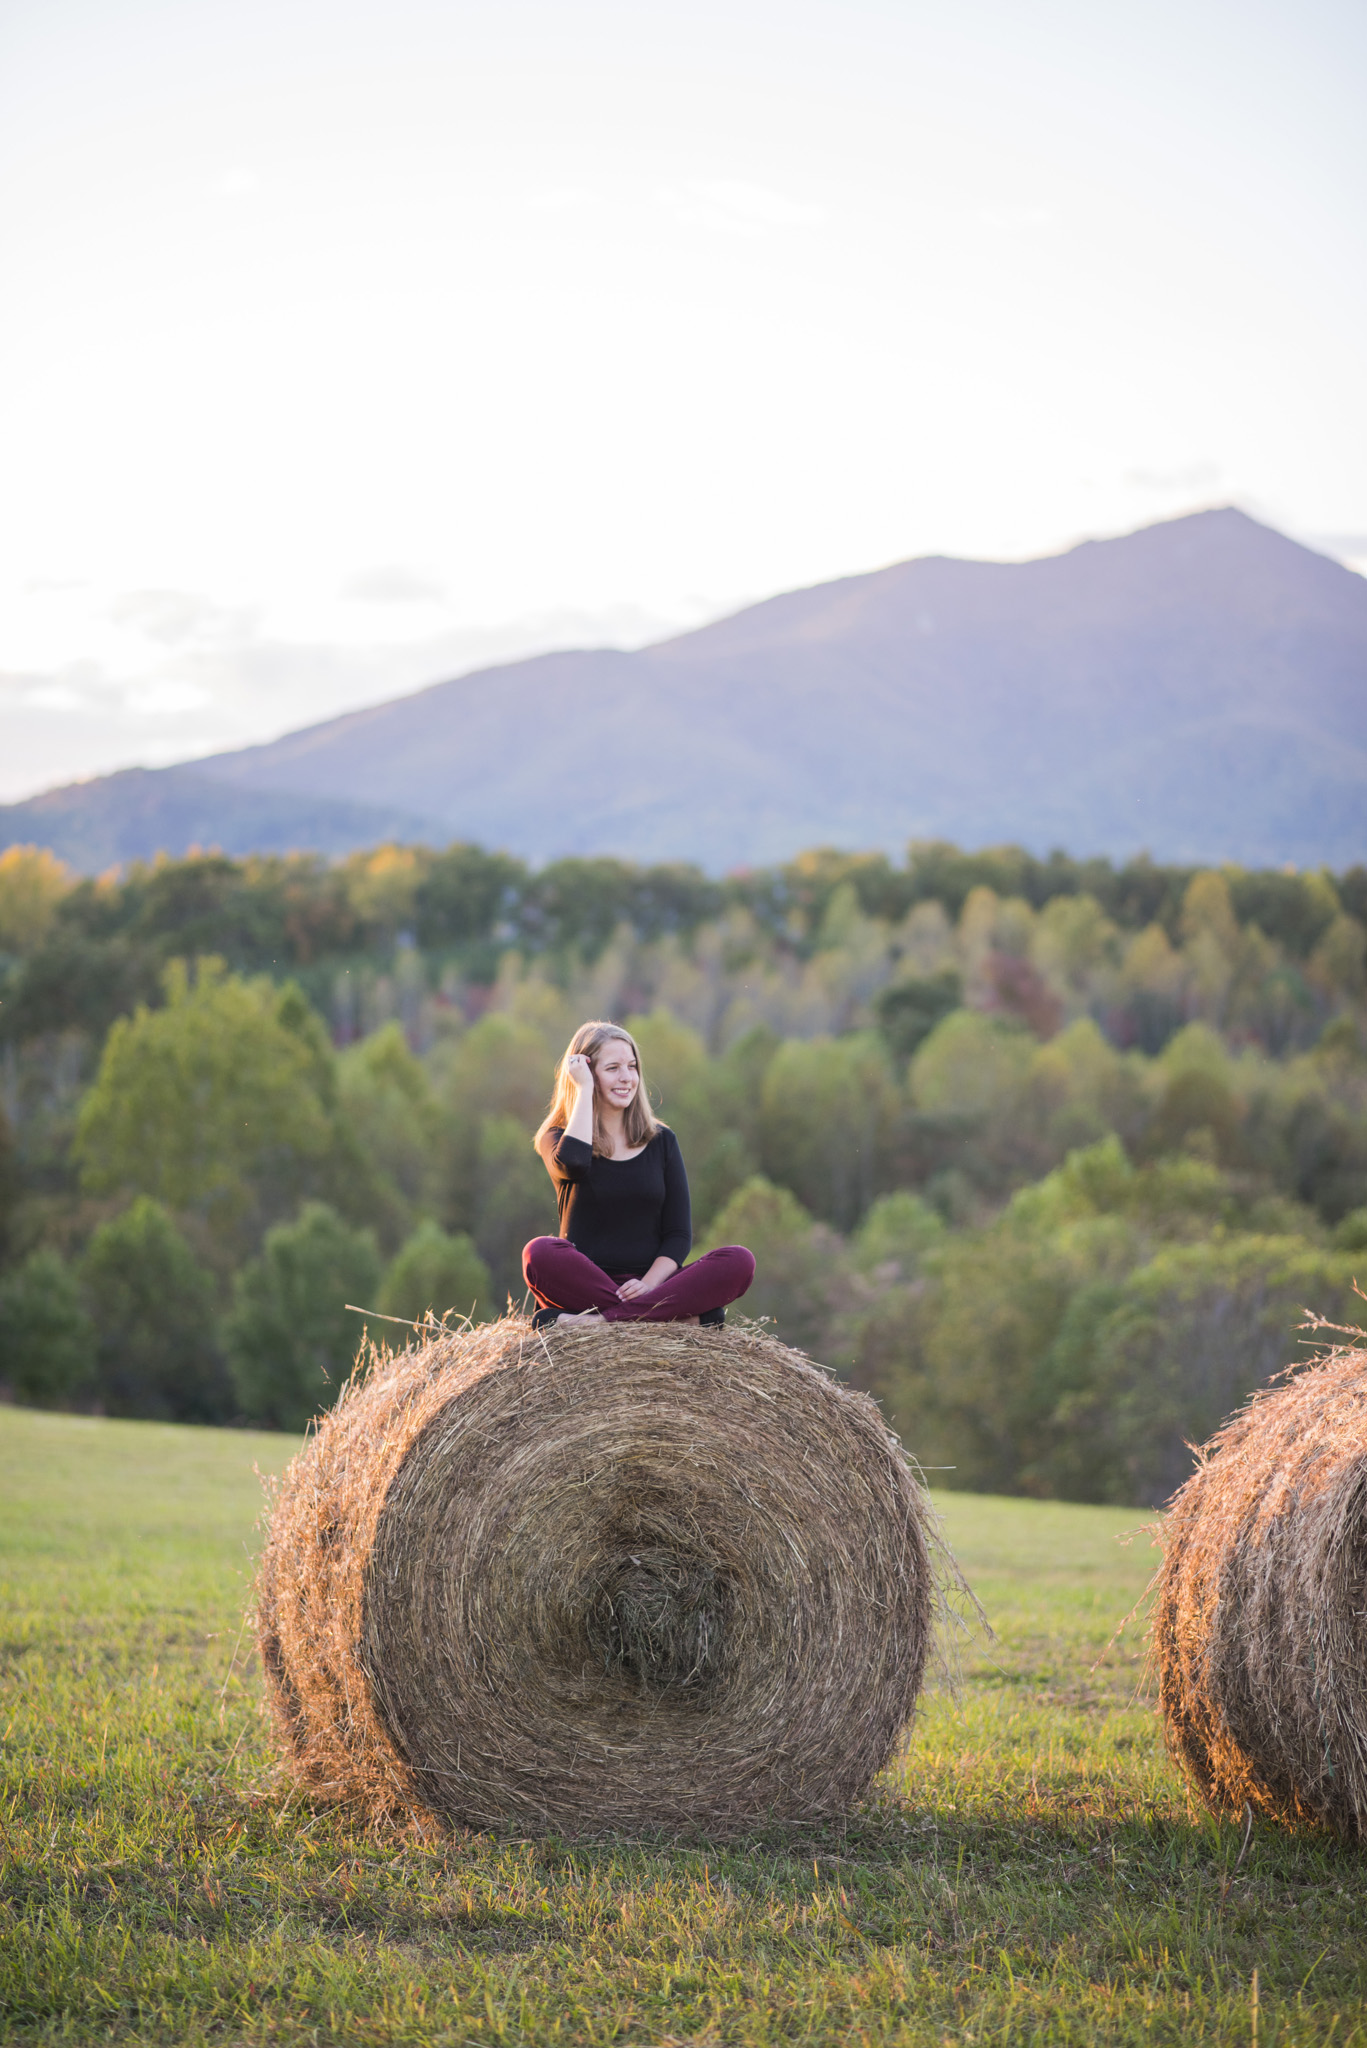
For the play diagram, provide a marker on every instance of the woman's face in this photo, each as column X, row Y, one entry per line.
column 616, row 1074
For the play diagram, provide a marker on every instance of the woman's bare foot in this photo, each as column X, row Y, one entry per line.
column 585, row 1315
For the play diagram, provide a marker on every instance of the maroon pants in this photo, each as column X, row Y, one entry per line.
column 561, row 1277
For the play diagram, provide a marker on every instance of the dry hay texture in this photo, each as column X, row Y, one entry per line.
column 1259, row 1632
column 625, row 1578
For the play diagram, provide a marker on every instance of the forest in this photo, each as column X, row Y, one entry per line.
column 1054, row 1157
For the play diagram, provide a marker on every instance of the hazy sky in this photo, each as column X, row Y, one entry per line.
column 348, row 345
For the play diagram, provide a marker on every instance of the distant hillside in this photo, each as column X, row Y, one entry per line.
column 144, row 811
column 1198, row 689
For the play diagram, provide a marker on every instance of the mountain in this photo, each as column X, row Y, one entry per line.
column 1198, row 688
column 141, row 812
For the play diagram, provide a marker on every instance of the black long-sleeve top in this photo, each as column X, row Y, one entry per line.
column 622, row 1213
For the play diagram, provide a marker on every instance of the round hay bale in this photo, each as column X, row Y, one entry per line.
column 1259, row 1631
column 617, row 1578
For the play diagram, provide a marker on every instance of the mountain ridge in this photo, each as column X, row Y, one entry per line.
column 1197, row 689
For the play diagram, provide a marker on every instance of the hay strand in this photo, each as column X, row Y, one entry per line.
column 614, row 1578
column 1259, row 1631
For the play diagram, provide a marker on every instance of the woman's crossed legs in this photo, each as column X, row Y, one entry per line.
column 561, row 1277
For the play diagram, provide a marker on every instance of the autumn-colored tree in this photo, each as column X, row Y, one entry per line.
column 32, row 884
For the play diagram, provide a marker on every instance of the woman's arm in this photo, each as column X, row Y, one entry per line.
column 580, row 1124
column 676, row 1217
column 654, row 1276
column 568, row 1153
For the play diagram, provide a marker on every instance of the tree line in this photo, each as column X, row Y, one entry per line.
column 1047, row 1154
column 76, row 953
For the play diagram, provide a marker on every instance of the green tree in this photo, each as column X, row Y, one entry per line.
column 498, row 1068
column 702, row 1100
column 1293, row 908
column 1079, row 1088
column 437, row 1272
column 977, row 1120
column 976, row 1377
column 972, row 1066
column 1157, row 1361
column 1340, row 960
column 1350, row 1235
column 76, row 983
column 673, row 1059
column 1000, row 1298
column 896, row 1235
column 514, row 1202
column 830, row 1118
column 1073, row 942
column 1199, row 1112
column 464, row 893
column 801, row 1273
column 908, row 1011
column 154, row 1310
column 217, row 1105
column 879, row 1340
column 290, row 1338
column 1208, row 914
column 11, row 1181
column 392, row 1112
column 47, row 1341
column 1110, row 1315
column 1198, row 1109
column 578, row 903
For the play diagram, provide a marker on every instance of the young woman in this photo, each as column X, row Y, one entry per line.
column 625, row 1226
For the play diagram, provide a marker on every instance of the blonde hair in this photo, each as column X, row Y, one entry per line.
column 639, row 1124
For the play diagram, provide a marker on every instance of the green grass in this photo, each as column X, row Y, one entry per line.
column 1034, row 1875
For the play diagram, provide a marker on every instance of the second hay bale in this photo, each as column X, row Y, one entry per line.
column 1259, row 1631
column 618, row 1578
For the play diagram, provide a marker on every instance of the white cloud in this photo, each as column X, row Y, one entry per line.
column 87, row 717
column 56, row 693
column 1191, row 476
column 386, row 586
column 165, row 697
column 560, row 199
column 236, row 182
column 174, row 618
column 730, row 207
column 1013, row 218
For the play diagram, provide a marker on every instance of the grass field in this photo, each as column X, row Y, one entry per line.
column 1034, row 1875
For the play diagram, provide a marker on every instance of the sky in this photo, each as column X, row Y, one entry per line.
column 352, row 344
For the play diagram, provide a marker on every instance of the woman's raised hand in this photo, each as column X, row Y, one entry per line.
column 580, row 1072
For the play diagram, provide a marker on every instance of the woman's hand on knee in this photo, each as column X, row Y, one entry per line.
column 655, row 1276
